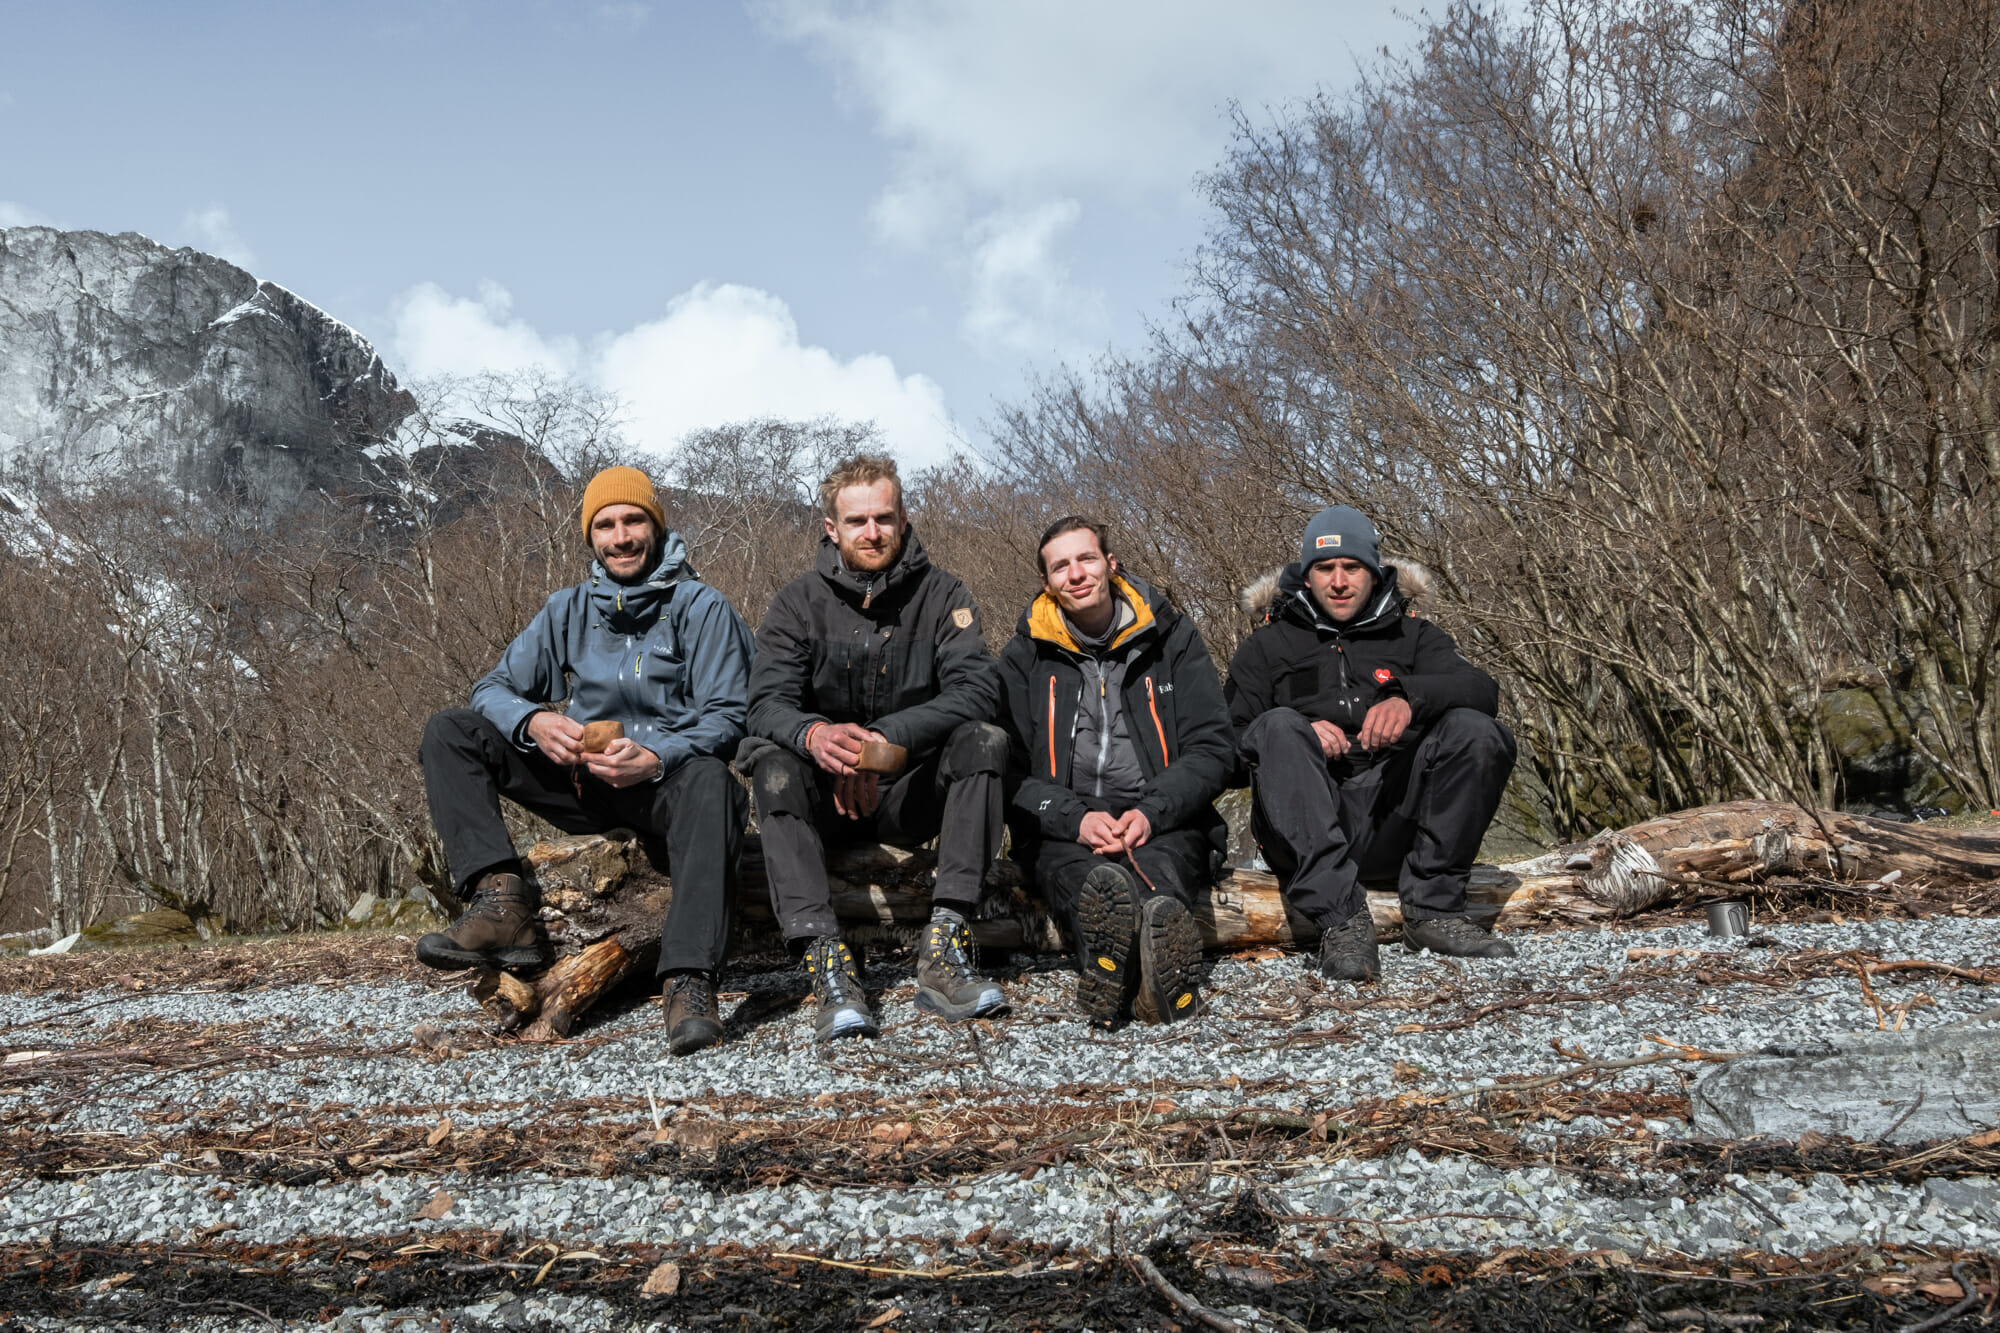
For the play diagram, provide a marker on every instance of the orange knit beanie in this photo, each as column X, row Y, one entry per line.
column 621, row 486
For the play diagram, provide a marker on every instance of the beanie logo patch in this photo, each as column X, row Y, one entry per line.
column 1383, row 675
column 962, row 617
column 1321, row 543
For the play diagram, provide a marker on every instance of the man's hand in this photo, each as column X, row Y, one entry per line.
column 1134, row 828
column 836, row 746
column 1100, row 833
column 1107, row 835
column 623, row 763
column 558, row 737
column 1385, row 723
column 1333, row 741
column 857, row 794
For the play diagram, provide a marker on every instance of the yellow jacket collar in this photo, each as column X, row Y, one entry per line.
column 1045, row 618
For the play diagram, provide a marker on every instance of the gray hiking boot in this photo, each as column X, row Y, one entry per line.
column 689, row 1004
column 843, row 1005
column 947, row 983
column 1348, row 951
column 499, row 929
column 1107, row 918
column 1169, row 962
column 1456, row 936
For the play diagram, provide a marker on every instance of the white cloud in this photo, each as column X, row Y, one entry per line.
column 720, row 353
column 210, row 231
column 20, row 215
column 1021, row 293
column 1013, row 120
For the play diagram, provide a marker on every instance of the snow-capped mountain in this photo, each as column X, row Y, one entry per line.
column 120, row 357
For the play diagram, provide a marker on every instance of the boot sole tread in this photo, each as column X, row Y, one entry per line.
column 1170, row 959
column 1109, row 921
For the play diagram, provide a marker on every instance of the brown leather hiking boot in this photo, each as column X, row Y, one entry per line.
column 948, row 982
column 499, row 929
column 692, row 1022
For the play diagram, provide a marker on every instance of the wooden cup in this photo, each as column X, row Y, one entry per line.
column 882, row 757
column 597, row 736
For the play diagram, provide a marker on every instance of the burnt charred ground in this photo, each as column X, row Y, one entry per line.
column 1019, row 1288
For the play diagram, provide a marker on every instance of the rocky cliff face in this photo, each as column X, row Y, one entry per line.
column 121, row 357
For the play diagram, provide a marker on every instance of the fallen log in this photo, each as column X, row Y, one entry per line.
column 604, row 900
column 1896, row 1087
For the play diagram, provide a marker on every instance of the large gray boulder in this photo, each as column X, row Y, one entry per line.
column 122, row 358
column 1900, row 1086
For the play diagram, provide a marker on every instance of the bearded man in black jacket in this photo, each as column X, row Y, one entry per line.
column 876, row 644
column 1119, row 746
column 1374, row 750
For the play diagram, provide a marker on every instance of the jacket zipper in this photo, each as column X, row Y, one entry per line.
column 1052, row 726
column 1153, row 704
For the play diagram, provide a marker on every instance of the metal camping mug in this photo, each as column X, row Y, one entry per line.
column 1729, row 917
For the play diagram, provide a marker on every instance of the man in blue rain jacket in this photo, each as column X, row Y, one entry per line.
column 641, row 642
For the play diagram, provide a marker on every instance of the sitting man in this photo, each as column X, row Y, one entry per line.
column 876, row 644
column 1117, row 722
column 1373, row 750
column 640, row 642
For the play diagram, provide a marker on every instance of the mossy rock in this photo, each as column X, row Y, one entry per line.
column 162, row 926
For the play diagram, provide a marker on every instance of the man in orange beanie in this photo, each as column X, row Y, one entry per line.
column 641, row 642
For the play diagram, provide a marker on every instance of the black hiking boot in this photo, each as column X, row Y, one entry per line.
column 947, row 983
column 1108, row 921
column 689, row 1004
column 843, row 1005
column 499, row 929
column 1454, row 936
column 1169, row 962
column 1348, row 952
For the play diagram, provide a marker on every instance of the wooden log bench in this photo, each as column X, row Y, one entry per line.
column 604, row 901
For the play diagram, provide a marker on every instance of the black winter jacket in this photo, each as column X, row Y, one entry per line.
column 908, row 659
column 1172, row 704
column 1335, row 673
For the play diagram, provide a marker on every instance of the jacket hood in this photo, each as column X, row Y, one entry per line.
column 671, row 568
column 1283, row 592
column 909, row 566
column 1043, row 619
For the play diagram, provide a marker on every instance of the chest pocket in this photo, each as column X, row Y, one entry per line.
column 907, row 673
column 664, row 669
column 1299, row 685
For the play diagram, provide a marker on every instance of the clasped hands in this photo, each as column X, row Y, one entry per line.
column 1108, row 835
column 836, row 748
column 622, row 764
column 1384, row 725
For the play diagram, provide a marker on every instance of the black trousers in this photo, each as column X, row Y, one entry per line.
column 1417, row 814
column 695, row 815
column 1177, row 862
column 952, row 794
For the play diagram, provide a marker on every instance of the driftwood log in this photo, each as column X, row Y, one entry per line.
column 604, row 900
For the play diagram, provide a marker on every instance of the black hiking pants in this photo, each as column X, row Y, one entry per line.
column 1418, row 813
column 695, row 816
column 1178, row 862
column 952, row 794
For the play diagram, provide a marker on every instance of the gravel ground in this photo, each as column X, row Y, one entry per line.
column 1261, row 1043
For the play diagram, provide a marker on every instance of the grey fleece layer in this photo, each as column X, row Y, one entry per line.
column 668, row 657
column 1104, row 763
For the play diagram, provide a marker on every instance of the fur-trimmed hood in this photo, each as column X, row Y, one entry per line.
column 1400, row 578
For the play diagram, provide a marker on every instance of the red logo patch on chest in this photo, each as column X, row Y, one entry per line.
column 1383, row 675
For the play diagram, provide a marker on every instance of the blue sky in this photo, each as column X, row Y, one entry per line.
column 901, row 210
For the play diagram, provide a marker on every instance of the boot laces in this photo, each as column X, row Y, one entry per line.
column 948, row 949
column 1457, row 929
column 695, row 995
column 835, row 979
